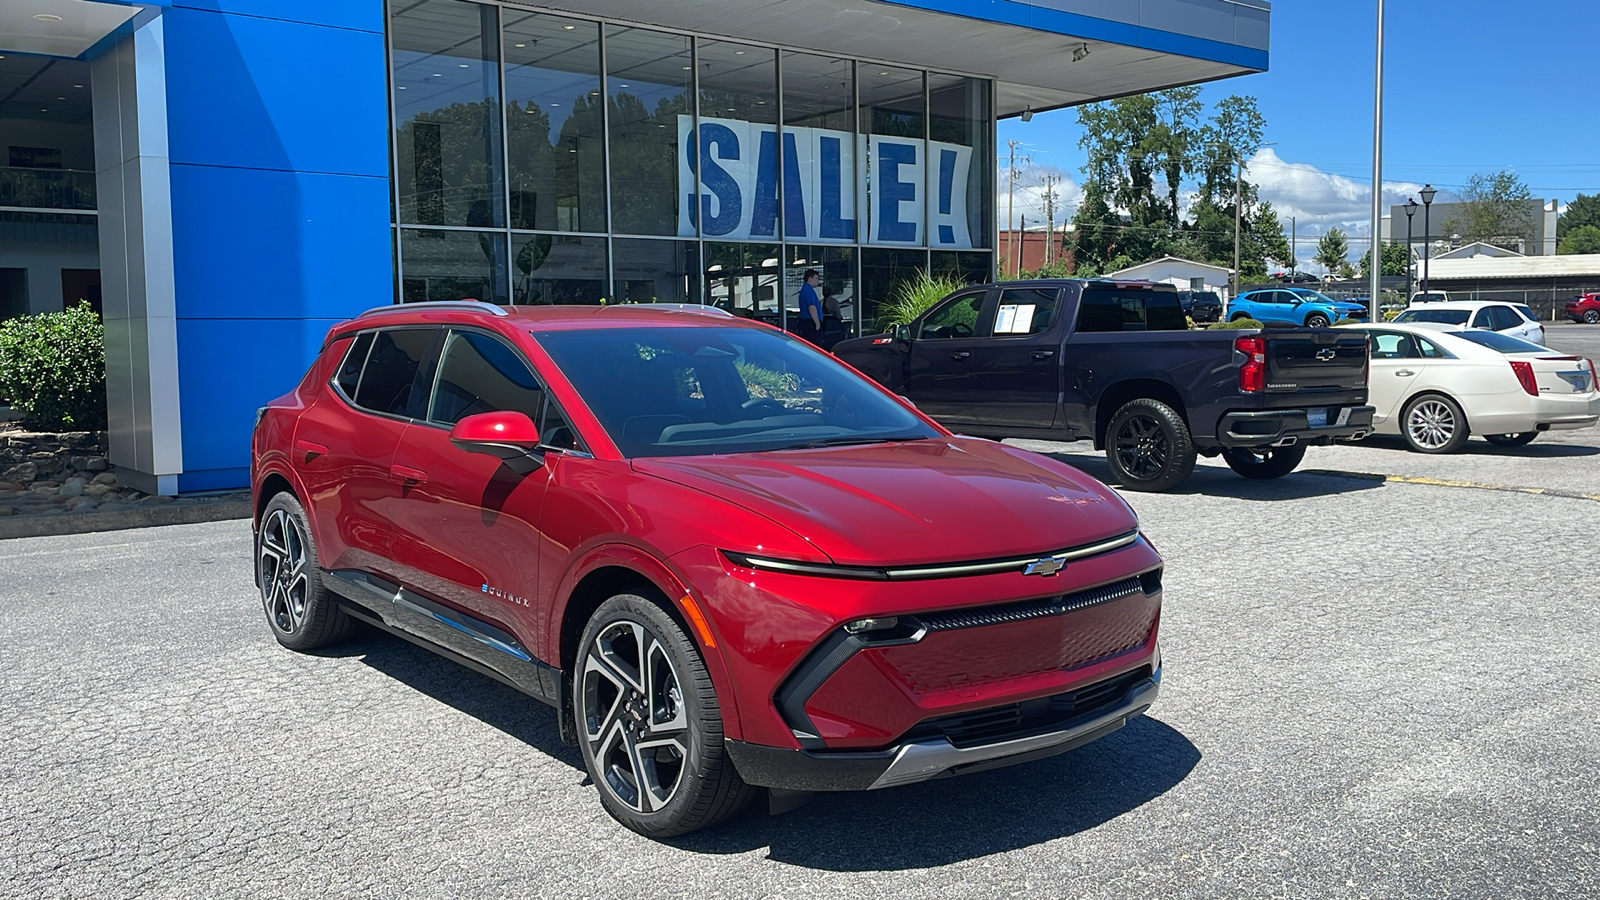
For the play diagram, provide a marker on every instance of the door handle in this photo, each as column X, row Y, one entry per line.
column 1043, row 354
column 406, row 473
column 1404, row 373
column 311, row 449
column 964, row 354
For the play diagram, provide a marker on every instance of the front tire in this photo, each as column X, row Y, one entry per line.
column 301, row 612
column 1265, row 462
column 649, row 723
column 1511, row 440
column 1149, row 447
column 1316, row 320
column 1433, row 423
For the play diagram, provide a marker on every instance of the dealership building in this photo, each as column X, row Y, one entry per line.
column 224, row 179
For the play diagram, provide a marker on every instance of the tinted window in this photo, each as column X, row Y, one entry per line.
column 1504, row 343
column 478, row 374
column 1430, row 350
column 705, row 390
column 1114, row 310
column 1527, row 313
column 1029, row 311
column 391, row 371
column 1501, row 318
column 1440, row 316
column 957, row 318
column 350, row 370
column 1388, row 345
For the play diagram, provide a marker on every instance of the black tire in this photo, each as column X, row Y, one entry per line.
column 1591, row 316
column 1511, row 440
column 668, row 704
column 1149, row 447
column 1264, row 462
column 1434, row 423
column 1237, row 316
column 301, row 612
column 1316, row 320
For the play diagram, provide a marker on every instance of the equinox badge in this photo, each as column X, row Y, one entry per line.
column 1048, row 565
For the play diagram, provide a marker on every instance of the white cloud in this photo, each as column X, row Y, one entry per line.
column 1320, row 200
column 1028, row 200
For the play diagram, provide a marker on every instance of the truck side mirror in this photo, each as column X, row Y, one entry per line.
column 902, row 332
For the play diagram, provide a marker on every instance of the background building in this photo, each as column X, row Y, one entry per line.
column 1183, row 274
column 261, row 170
column 1445, row 220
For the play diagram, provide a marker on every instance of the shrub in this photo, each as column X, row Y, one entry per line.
column 53, row 369
column 1348, row 321
column 1237, row 324
column 915, row 296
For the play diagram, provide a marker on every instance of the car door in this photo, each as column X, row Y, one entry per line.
column 1016, row 373
column 468, row 531
column 344, row 445
column 1396, row 363
column 939, row 360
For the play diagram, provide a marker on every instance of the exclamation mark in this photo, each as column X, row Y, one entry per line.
column 947, row 180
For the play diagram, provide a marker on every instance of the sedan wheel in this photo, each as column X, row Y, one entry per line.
column 649, row 723
column 1434, row 424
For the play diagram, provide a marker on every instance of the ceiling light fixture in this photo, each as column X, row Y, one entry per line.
column 1027, row 114
column 47, row 17
column 463, row 66
column 522, row 45
column 569, row 27
column 1080, row 53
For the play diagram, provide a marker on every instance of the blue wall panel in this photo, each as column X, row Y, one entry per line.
column 226, row 369
column 249, row 243
column 362, row 15
column 267, row 94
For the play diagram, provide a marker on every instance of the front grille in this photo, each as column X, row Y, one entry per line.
column 1014, row 720
column 1032, row 609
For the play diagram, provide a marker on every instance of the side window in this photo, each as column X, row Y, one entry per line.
column 1430, row 350
column 1029, row 311
column 350, row 370
column 391, row 370
column 955, row 318
column 1504, row 317
column 479, row 374
column 1162, row 312
column 1388, row 345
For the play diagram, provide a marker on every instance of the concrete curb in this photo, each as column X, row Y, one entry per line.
column 179, row 512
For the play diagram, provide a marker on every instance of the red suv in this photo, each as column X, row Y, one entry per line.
column 727, row 559
column 1584, row 308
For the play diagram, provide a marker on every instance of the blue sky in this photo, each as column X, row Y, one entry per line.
column 1470, row 86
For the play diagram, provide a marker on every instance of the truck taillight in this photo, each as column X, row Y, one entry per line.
column 1253, row 374
column 1524, row 372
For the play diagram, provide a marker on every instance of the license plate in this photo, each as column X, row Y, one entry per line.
column 1317, row 418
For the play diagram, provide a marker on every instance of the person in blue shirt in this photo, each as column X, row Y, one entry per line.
column 810, row 307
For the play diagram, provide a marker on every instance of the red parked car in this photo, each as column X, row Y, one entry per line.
column 729, row 560
column 1584, row 308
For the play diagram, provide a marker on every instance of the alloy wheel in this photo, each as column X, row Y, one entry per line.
column 1592, row 316
column 1142, row 449
column 284, row 579
column 1431, row 424
column 634, row 717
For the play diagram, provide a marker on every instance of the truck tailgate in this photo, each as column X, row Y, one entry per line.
column 1310, row 360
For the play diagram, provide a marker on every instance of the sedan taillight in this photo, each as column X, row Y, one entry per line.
column 1594, row 375
column 1524, row 372
column 1253, row 374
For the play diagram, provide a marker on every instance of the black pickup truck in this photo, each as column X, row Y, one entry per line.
column 1115, row 362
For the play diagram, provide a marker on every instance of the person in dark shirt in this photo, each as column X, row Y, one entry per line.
column 810, row 308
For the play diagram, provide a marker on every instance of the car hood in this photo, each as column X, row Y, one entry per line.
column 936, row 500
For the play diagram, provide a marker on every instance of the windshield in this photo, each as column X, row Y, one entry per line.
column 1502, row 342
column 1437, row 316
column 680, row 391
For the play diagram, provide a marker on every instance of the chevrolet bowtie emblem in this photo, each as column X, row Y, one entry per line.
column 1048, row 565
column 1327, row 354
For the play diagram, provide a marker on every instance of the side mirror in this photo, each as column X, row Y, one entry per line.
column 504, row 434
column 902, row 332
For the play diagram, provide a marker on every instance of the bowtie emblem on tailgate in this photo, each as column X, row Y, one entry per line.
column 1326, row 354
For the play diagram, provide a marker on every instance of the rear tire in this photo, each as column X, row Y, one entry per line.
column 1511, row 440
column 301, row 612
column 1149, row 447
column 1433, row 423
column 1265, row 462
column 649, row 723
column 1592, row 316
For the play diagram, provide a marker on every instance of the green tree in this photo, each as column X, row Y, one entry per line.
column 1585, row 210
column 1139, row 152
column 1495, row 209
column 1333, row 250
column 1394, row 260
column 1583, row 239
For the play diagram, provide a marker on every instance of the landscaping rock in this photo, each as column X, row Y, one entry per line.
column 82, row 504
column 73, row 487
column 25, row 472
column 97, row 464
column 11, row 486
column 98, row 490
column 105, row 478
column 45, row 488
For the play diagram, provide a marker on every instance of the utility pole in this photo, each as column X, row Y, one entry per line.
column 1011, row 200
column 1050, row 182
column 1294, row 244
column 1238, row 218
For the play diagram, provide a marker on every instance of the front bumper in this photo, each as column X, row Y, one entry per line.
column 925, row 759
column 1284, row 427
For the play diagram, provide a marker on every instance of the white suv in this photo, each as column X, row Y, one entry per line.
column 1513, row 319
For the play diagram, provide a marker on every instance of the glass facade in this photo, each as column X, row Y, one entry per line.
column 542, row 159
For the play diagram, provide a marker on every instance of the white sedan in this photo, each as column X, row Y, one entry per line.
column 1514, row 319
column 1435, row 388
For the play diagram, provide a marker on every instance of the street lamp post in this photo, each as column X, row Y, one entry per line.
column 1375, row 270
column 1427, row 193
column 1411, row 210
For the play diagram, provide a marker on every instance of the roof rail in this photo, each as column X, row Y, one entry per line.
column 464, row 305
column 679, row 307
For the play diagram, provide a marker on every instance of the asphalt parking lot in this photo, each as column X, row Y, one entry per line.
column 1375, row 688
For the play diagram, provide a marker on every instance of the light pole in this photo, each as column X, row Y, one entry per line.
column 1411, row 210
column 1427, row 193
column 1375, row 271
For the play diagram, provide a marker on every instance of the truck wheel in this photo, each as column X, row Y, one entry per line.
column 1316, row 320
column 1264, row 462
column 1149, row 447
column 1512, row 440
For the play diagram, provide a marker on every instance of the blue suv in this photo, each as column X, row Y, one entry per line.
column 1293, row 306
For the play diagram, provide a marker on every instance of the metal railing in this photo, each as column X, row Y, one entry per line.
column 47, row 188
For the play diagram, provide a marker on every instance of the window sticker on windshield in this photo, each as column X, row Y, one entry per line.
column 1015, row 318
